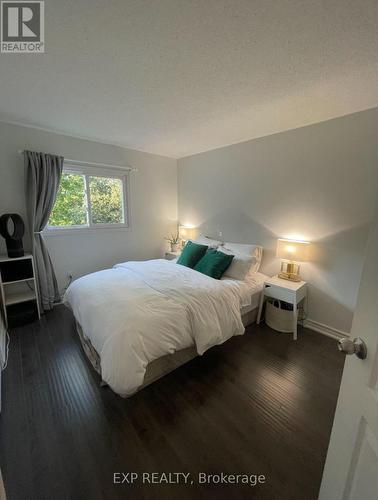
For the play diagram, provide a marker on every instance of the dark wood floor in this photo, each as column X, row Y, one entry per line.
column 259, row 404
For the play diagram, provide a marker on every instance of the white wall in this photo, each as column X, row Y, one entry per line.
column 153, row 203
column 316, row 183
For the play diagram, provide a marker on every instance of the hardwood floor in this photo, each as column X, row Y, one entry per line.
column 259, row 404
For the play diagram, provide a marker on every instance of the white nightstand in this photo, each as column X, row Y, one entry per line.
column 291, row 292
column 171, row 255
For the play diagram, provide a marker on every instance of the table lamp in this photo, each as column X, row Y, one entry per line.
column 291, row 252
column 187, row 233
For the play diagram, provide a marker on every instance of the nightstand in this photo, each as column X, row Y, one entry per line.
column 171, row 255
column 292, row 292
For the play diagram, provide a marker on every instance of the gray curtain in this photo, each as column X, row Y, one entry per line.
column 43, row 174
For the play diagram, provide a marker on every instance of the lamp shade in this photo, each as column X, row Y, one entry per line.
column 187, row 232
column 292, row 250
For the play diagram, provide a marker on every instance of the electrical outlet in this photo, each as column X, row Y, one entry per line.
column 220, row 234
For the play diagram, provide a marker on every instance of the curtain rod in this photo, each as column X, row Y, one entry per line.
column 94, row 164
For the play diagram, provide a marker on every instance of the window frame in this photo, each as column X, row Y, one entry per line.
column 93, row 171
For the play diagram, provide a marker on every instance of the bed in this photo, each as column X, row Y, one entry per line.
column 140, row 320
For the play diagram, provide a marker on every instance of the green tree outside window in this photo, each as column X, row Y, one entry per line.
column 71, row 206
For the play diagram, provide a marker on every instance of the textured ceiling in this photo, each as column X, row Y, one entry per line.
column 177, row 77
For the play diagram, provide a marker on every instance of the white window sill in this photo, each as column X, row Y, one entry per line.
column 65, row 231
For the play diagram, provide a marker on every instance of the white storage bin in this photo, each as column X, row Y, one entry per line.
column 278, row 318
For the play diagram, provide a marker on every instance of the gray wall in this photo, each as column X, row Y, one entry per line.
column 153, row 202
column 317, row 183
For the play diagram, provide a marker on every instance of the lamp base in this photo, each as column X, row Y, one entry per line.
column 289, row 276
column 289, row 271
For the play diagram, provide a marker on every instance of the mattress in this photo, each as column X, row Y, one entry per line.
column 161, row 366
column 251, row 288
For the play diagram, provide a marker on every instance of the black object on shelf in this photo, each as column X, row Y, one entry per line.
column 17, row 270
column 286, row 306
column 21, row 314
column 13, row 236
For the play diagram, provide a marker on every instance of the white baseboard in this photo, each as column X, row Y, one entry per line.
column 330, row 331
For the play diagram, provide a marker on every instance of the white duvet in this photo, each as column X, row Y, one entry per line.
column 137, row 312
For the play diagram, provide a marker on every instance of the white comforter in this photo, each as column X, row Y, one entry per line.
column 140, row 311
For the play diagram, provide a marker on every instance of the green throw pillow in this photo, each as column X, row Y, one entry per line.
column 214, row 263
column 191, row 254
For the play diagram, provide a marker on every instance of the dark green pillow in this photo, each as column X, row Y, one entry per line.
column 191, row 254
column 214, row 263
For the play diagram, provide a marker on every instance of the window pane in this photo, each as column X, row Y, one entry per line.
column 106, row 196
column 70, row 208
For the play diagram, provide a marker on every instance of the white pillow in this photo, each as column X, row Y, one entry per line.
column 246, row 250
column 204, row 240
column 240, row 265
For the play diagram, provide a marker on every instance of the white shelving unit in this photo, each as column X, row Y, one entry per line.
column 17, row 283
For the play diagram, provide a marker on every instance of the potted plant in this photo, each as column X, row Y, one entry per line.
column 174, row 240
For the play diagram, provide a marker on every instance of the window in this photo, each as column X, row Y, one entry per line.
column 90, row 198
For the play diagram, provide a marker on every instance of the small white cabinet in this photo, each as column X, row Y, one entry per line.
column 292, row 292
column 172, row 255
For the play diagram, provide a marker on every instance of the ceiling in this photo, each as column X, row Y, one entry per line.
column 177, row 77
